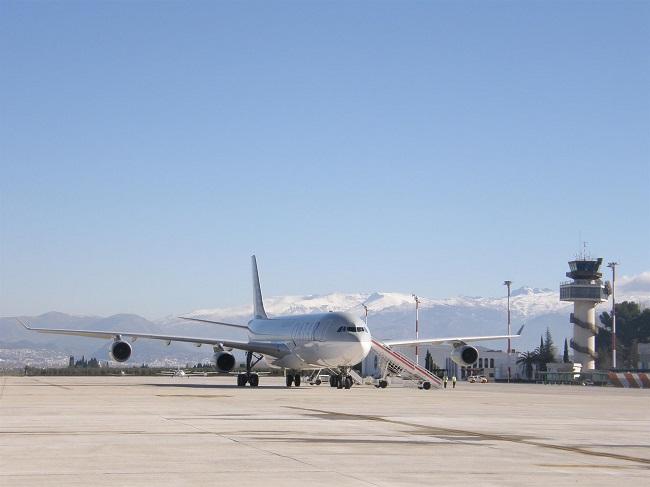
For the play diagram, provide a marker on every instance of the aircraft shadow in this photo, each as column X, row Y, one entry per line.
column 224, row 386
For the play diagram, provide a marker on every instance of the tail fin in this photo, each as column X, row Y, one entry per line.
column 258, row 304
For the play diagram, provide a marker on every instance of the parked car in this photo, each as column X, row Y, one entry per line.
column 482, row 379
column 471, row 379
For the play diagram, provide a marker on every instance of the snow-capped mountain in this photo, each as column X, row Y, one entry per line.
column 524, row 301
column 390, row 315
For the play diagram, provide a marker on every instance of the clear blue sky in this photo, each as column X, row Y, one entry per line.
column 148, row 148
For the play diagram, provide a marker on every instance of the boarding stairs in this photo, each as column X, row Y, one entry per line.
column 399, row 364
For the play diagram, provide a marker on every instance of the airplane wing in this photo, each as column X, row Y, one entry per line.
column 452, row 340
column 203, row 320
column 265, row 348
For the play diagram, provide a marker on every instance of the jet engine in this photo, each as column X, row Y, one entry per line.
column 120, row 351
column 464, row 355
column 224, row 361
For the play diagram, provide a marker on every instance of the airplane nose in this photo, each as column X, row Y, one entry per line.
column 365, row 348
column 361, row 346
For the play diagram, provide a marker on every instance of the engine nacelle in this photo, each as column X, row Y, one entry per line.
column 224, row 361
column 121, row 351
column 464, row 355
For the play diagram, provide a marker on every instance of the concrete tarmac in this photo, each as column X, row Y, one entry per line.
column 145, row 431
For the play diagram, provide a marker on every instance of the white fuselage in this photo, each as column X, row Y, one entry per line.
column 314, row 340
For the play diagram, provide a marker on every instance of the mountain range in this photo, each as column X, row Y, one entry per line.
column 390, row 315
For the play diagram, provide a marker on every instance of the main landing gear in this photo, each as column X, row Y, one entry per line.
column 252, row 379
column 249, row 377
column 293, row 379
column 341, row 381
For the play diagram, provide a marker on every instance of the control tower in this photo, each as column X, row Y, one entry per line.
column 586, row 291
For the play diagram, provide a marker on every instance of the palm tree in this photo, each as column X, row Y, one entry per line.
column 528, row 360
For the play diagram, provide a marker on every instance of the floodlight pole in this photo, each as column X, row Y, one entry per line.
column 508, row 283
column 612, row 266
column 417, row 330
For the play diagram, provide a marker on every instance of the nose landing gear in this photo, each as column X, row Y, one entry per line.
column 341, row 381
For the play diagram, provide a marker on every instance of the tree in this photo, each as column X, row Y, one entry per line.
column 632, row 328
column 565, row 355
column 549, row 346
column 528, row 360
column 427, row 361
column 546, row 351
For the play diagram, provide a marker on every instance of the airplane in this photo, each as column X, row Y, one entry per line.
column 185, row 373
column 335, row 341
column 174, row 373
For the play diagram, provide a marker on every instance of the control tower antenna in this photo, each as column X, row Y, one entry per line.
column 585, row 291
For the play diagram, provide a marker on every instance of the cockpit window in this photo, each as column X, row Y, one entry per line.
column 352, row 329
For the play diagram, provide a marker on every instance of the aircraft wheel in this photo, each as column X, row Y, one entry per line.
column 339, row 382
column 318, row 382
column 296, row 380
column 383, row 384
column 426, row 386
column 289, row 378
column 332, row 381
column 241, row 380
column 254, row 380
column 347, row 382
